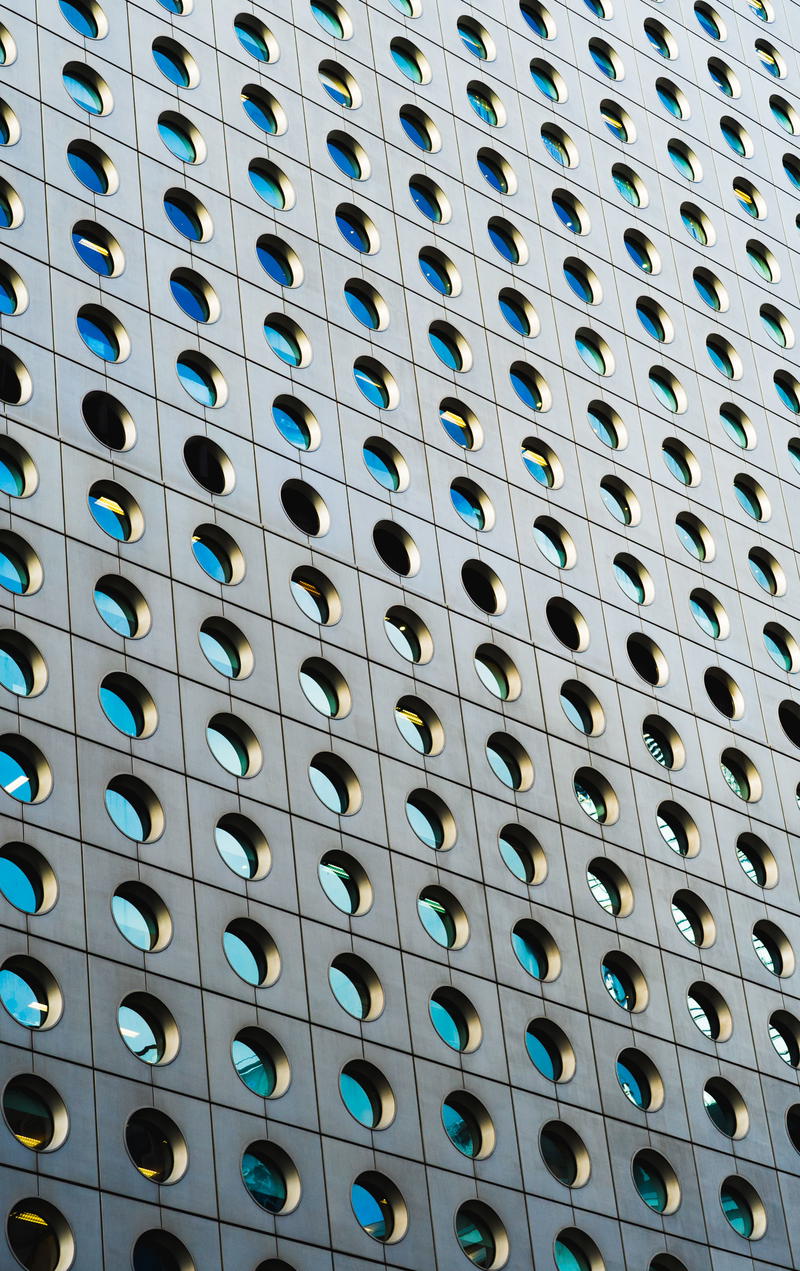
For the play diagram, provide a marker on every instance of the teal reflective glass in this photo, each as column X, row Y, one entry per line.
column 372, row 1210
column 788, row 394
column 529, row 951
column 220, row 651
column 543, row 1052
column 99, row 336
column 475, row 1237
column 720, row 358
column 329, row 787
column 694, row 224
column 173, row 6
column 568, row 1257
column 122, row 710
column 591, row 354
column 129, row 816
column 20, row 883
column 603, row 427
column 83, row 92
column 720, row 78
column 14, row 576
column 649, row 317
column 259, row 110
column 328, row 18
column 283, row 343
column 228, row 749
column 183, row 216
column 483, row 106
column 264, row 1180
column 135, row 920
column 763, row 575
column 629, row 580
column 425, row 823
column 320, row 692
column 720, row 1110
column 291, row 424
column 663, row 390
column 349, row 990
column 775, row 328
column 618, row 986
column 449, row 1022
column 359, row 1097
column 251, row 38
column 555, row 147
column 212, row 558
column 792, row 169
column 142, row 1034
column 80, row 17
column 12, row 478
column 425, row 199
column 109, row 514
column 381, row 465
column 782, row 112
column 794, row 451
column 178, row 140
column 371, row 385
column 171, row 64
column 236, row 850
column 472, row 38
column 198, row 382
column 362, row 306
column 503, row 764
column 246, row 958
column 626, row 187
column 748, row 498
column 736, row 1210
column 437, row 920
column 407, row 62
column 461, row 1128
column 778, row 649
column 545, row 81
column 24, row 998
column 732, row 134
column 267, row 185
column 650, row 1184
column 633, row 1084
column 253, row 1066
column 550, row 545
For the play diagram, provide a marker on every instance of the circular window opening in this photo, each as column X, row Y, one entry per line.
column 39, row 1236
column 480, row 1234
column 260, row 1063
column 379, row 1208
column 156, row 1146
column 35, row 1113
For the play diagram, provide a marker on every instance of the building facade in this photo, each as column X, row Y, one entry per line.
column 400, row 483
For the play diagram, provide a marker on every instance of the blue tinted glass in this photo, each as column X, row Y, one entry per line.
column 20, row 884
column 183, row 217
column 115, row 611
column 16, row 778
column 493, row 173
column 627, row 188
column 15, row 670
column 328, row 18
column 190, row 297
column 415, row 130
column 83, row 92
column 361, row 306
column 526, row 389
column 87, row 169
column 515, row 314
column 353, row 232
column 245, row 958
column 555, row 147
column 275, row 262
column 349, row 991
column 93, row 252
column 23, row 998
column 543, row 1054
column 631, row 1085
column 446, row 350
column 12, row 480
column 482, row 106
column 461, row 1129
column 435, row 273
column 381, row 466
column 80, row 17
column 13, row 574
column 425, row 823
column 579, row 282
column 235, row 849
column 122, row 712
column 530, row 953
column 408, row 63
column 569, row 1257
column 251, row 39
column 545, row 82
column 197, row 382
column 567, row 213
column 283, row 344
column 267, row 185
column 345, row 158
column 211, row 558
column 98, row 337
column 371, row 386
column 291, row 425
column 135, row 921
column 504, row 243
column 425, row 199
column 109, row 514
column 259, row 111
column 535, row 20
column 171, row 65
column 372, row 1212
